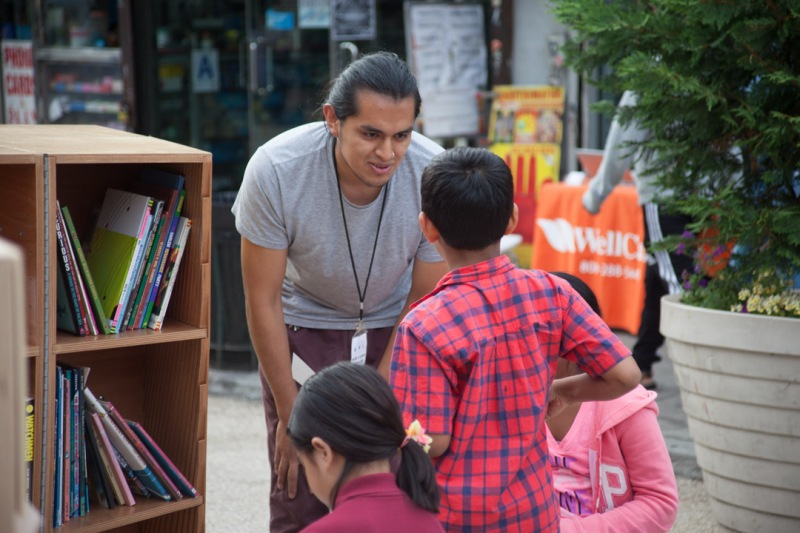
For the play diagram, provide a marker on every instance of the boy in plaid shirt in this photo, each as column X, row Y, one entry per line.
column 474, row 360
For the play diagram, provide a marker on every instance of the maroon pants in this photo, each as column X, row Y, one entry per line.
column 319, row 348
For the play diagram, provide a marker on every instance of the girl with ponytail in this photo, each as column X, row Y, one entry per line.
column 348, row 432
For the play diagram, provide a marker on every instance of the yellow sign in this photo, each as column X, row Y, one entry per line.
column 531, row 165
column 527, row 114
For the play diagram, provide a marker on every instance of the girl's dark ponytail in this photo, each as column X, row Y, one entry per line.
column 417, row 477
column 352, row 408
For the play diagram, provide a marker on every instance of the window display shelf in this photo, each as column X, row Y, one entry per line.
column 81, row 86
column 109, row 56
column 107, row 85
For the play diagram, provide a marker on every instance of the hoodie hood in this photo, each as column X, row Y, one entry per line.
column 612, row 412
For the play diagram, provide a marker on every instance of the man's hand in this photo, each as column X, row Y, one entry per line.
column 591, row 202
column 286, row 463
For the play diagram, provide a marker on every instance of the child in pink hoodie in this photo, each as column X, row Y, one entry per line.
column 611, row 468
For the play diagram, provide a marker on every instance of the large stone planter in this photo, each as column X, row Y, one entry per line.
column 739, row 377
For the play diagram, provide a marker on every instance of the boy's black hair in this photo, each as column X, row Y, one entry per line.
column 468, row 194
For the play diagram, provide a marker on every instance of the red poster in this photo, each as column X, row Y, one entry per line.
column 18, row 83
column 531, row 165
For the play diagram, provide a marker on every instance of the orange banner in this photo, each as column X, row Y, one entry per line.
column 605, row 250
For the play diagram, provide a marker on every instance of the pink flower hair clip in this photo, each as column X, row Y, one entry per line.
column 417, row 433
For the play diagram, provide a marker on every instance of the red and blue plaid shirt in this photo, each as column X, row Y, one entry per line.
column 475, row 359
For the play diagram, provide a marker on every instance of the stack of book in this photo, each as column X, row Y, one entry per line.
column 100, row 456
column 30, row 433
column 125, row 278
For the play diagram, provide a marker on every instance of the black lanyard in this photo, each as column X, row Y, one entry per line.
column 361, row 295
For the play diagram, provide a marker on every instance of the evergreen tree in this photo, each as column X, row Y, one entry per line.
column 718, row 83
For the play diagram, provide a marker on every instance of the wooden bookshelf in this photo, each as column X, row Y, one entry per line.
column 159, row 378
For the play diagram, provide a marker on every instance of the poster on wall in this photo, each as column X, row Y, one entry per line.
column 525, row 129
column 353, row 20
column 449, row 113
column 532, row 165
column 18, row 83
column 522, row 114
column 446, row 50
column 313, row 14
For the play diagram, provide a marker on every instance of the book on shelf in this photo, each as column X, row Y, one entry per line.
column 86, row 273
column 170, row 243
column 66, row 319
column 75, row 381
column 119, row 484
column 68, row 308
column 169, row 187
column 63, row 444
column 72, row 270
column 83, row 373
column 135, row 303
column 163, row 459
column 66, row 492
column 83, row 292
column 30, row 419
column 154, row 465
column 117, row 247
column 144, row 289
column 98, row 481
column 159, row 308
column 125, row 447
column 71, row 380
column 58, row 450
column 139, row 265
column 134, row 483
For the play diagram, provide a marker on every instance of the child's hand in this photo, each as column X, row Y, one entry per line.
column 555, row 401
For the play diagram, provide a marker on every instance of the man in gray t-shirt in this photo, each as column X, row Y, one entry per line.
column 332, row 251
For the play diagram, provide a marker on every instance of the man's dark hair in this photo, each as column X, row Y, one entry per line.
column 468, row 194
column 380, row 72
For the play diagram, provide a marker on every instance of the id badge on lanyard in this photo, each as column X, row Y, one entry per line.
column 358, row 346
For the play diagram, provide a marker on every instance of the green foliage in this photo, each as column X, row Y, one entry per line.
column 718, row 83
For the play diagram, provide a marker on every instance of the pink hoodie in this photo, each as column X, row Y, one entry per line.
column 619, row 445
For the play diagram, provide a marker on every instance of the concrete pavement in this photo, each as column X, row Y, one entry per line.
column 237, row 483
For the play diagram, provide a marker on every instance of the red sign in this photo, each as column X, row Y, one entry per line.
column 531, row 165
column 18, row 85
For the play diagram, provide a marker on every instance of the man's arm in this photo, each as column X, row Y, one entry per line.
column 424, row 277
column 263, row 270
column 617, row 159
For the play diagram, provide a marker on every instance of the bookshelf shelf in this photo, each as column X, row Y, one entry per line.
column 172, row 332
column 158, row 378
column 145, row 509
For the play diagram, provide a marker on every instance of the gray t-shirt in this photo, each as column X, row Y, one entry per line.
column 289, row 200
